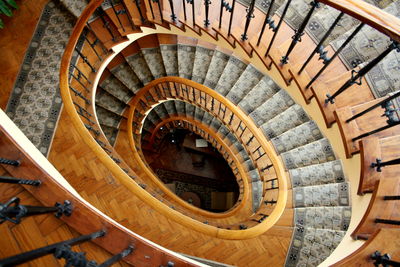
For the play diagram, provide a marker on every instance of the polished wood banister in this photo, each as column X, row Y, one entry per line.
column 131, row 185
column 282, row 191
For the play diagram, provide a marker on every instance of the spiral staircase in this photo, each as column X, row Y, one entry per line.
column 130, row 69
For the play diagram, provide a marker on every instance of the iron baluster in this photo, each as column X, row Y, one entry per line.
column 327, row 61
column 84, row 113
column 106, row 24
column 385, row 221
column 127, row 14
column 272, row 202
column 231, row 119
column 78, row 259
column 171, row 4
column 79, row 81
column 263, row 217
column 266, row 167
column 193, row 16
column 356, row 79
column 12, row 211
column 117, row 15
column 15, row 163
column 40, row 252
column 249, row 16
column 96, row 41
column 223, row 4
column 90, row 128
column 103, row 146
column 266, row 21
column 250, row 140
column 184, row 9
column 138, row 6
column 77, row 93
column 319, row 47
column 300, row 31
column 151, row 7
column 390, row 125
column 276, row 29
column 92, row 45
column 231, row 18
column 391, row 198
column 118, row 257
column 379, row 164
column 115, row 159
column 381, row 103
column 207, row 9
column 85, row 59
column 160, row 10
column 81, row 74
column 383, row 260
column 13, row 180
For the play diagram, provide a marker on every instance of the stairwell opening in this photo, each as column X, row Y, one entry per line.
column 192, row 168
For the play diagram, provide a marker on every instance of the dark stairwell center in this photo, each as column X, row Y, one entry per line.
column 193, row 169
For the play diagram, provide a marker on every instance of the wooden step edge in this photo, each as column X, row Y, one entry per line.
column 301, row 81
column 224, row 34
column 370, row 150
column 347, row 130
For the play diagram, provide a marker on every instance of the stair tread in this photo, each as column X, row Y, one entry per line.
column 318, row 174
column 298, row 136
column 319, row 151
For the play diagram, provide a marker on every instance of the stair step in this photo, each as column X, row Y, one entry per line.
column 75, row 7
column 127, row 76
column 322, row 195
column 256, row 188
column 116, row 88
column 316, row 152
column 110, row 133
column 154, row 61
column 310, row 247
column 202, row 60
column 288, row 119
column 247, row 80
column 186, row 55
column 260, row 93
column 318, row 174
column 334, row 218
column 278, row 103
column 189, row 110
column 180, row 107
column 170, row 107
column 107, row 117
column 301, row 135
column 110, row 102
column 199, row 114
column 384, row 78
column 232, row 71
column 216, row 67
column 169, row 53
column 161, row 111
column 140, row 67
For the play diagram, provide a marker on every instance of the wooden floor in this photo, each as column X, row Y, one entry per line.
column 97, row 185
column 38, row 231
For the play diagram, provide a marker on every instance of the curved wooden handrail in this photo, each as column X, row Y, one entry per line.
column 134, row 187
column 282, row 191
column 231, row 212
column 194, row 209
